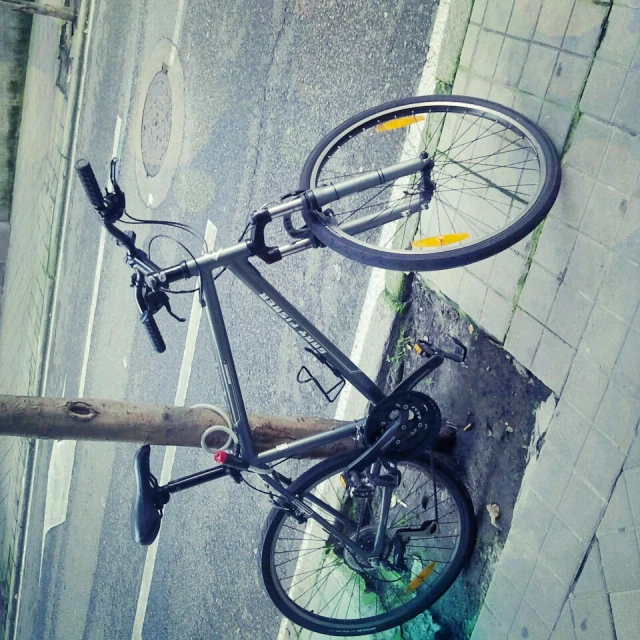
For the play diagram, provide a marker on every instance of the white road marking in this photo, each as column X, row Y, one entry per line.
column 63, row 452
column 176, row 31
column 376, row 285
column 170, row 452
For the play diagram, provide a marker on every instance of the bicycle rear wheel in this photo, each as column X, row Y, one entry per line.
column 320, row 585
column 495, row 176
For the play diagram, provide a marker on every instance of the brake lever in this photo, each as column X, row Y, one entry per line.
column 115, row 201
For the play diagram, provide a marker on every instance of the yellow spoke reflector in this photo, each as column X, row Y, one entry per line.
column 398, row 123
column 439, row 241
column 420, row 578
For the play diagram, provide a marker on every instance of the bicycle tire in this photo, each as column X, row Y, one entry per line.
column 354, row 627
column 326, row 229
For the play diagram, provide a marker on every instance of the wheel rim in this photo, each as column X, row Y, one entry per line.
column 318, row 577
column 489, row 173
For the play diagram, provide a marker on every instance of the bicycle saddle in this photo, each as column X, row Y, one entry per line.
column 149, row 501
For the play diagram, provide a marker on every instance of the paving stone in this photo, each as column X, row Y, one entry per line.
column 618, row 415
column 586, row 385
column 482, row 268
column 626, row 113
column 497, row 15
column 600, row 463
column 627, row 372
column 587, row 265
column 460, row 82
column 502, row 599
column 632, row 479
column 477, row 86
column 569, row 315
column 592, row 618
column 555, row 245
column 626, row 614
column 552, row 361
column 603, row 338
column 506, row 273
column 553, row 22
column 487, row 627
column 538, row 293
column 496, row 313
column 564, row 627
column 523, row 337
column 511, row 62
column 567, row 432
column 590, row 581
column 550, row 476
column 603, row 88
column 633, row 458
column 468, row 48
column 449, row 282
column 531, row 520
column 590, row 139
column 528, row 624
column 617, row 515
column 580, row 508
column 501, row 94
column 517, row 561
column 620, row 560
column 522, row 246
column 556, row 122
column 487, row 53
column 621, row 39
column 563, row 552
column 575, row 191
column 524, row 17
column 621, row 164
column 471, row 295
column 546, row 594
column 584, row 28
column 604, row 214
column 528, row 105
column 620, row 288
column 477, row 14
column 538, row 69
column 628, row 239
column 568, row 79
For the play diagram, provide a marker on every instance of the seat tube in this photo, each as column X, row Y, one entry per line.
column 226, row 366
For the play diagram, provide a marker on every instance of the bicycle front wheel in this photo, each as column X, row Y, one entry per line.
column 494, row 176
column 319, row 584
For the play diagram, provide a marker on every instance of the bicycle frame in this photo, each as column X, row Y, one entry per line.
column 236, row 259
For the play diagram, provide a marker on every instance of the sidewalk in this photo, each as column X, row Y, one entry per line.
column 38, row 202
column 565, row 304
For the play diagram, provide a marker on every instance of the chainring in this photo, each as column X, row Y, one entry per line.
column 420, row 423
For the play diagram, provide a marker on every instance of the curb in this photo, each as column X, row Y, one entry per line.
column 79, row 50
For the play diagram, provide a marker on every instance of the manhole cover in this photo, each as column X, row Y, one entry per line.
column 156, row 123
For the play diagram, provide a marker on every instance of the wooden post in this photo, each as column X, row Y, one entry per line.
column 41, row 9
column 114, row 421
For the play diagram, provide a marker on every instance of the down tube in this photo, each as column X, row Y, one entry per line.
column 228, row 375
column 246, row 272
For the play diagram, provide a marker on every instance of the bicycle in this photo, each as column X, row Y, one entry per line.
column 367, row 539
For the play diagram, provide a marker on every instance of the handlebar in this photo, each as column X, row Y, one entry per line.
column 110, row 207
column 149, row 323
column 90, row 184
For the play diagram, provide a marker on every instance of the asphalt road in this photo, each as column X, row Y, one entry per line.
column 263, row 82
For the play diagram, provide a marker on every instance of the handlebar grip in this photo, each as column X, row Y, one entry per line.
column 90, row 184
column 149, row 323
